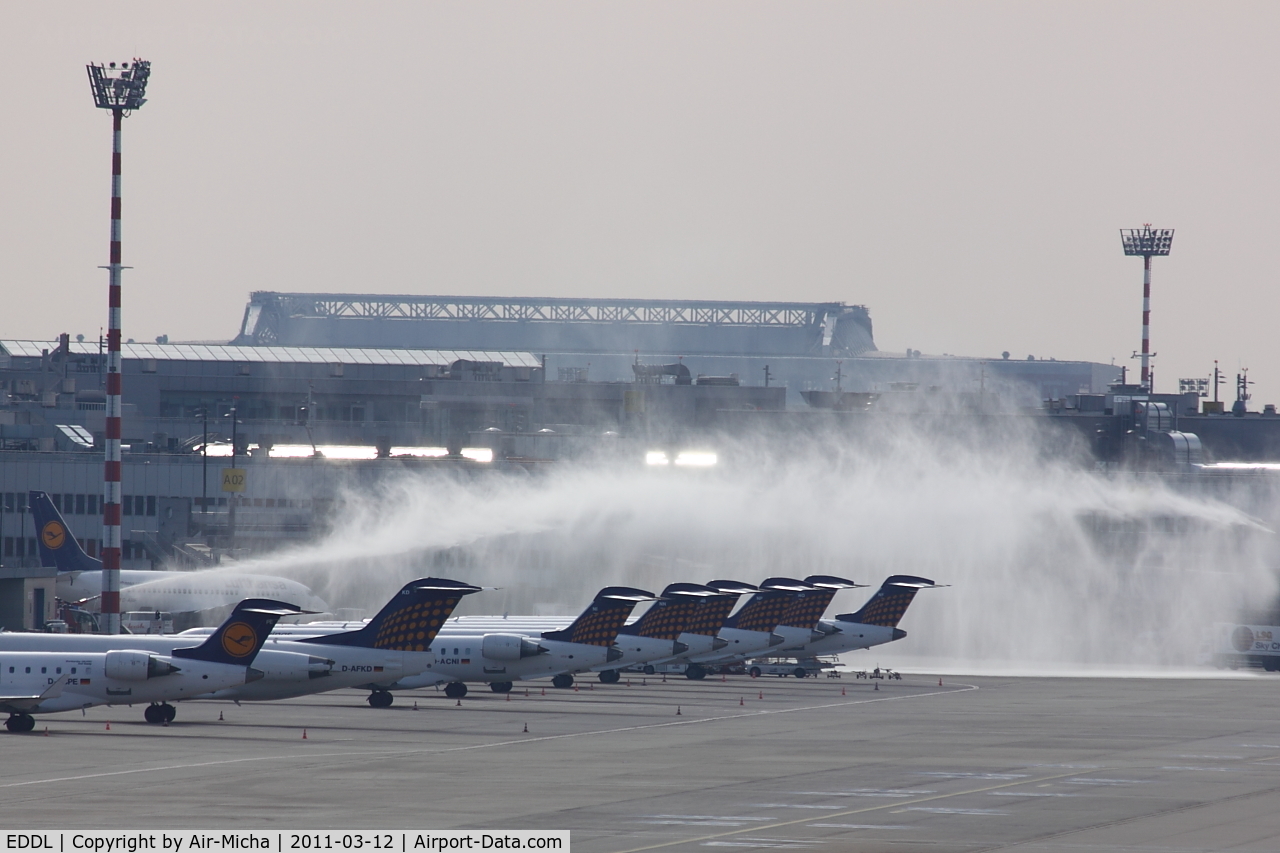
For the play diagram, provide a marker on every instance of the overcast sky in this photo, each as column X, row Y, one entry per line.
column 961, row 168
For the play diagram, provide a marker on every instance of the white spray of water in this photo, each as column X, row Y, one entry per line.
column 1050, row 564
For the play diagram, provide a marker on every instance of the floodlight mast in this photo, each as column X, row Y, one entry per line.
column 121, row 88
column 1147, row 242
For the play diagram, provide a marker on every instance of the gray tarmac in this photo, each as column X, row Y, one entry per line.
column 978, row 763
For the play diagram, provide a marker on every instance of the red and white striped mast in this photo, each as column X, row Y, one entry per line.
column 1147, row 242
column 121, row 88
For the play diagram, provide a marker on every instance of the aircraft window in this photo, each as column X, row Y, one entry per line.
column 44, row 670
column 468, row 651
column 73, row 670
column 11, row 670
column 455, row 651
column 28, row 670
column 58, row 671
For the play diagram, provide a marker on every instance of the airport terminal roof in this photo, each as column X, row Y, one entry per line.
column 276, row 355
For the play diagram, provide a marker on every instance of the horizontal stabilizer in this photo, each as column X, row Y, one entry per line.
column 600, row 623
column 890, row 602
column 239, row 639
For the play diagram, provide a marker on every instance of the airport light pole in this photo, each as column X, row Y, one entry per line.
column 1146, row 242
column 121, row 88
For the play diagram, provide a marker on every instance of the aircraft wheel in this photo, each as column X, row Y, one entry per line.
column 168, row 712
column 455, row 690
column 695, row 673
column 564, row 681
column 755, row 672
column 648, row 669
column 799, row 672
column 381, row 699
column 19, row 723
column 501, row 686
column 610, row 676
column 153, row 714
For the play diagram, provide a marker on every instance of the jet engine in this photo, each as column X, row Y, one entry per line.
column 291, row 666
column 509, row 647
column 129, row 665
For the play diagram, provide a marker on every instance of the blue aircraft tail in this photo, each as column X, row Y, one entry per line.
column 408, row 622
column 763, row 610
column 669, row 615
column 54, row 540
column 239, row 639
column 890, row 602
column 600, row 623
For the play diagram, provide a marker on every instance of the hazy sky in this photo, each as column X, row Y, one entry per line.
column 961, row 168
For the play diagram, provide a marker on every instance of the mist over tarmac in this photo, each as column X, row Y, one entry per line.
column 1052, row 565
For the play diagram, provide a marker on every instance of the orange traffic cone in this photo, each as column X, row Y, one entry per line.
column 526, row 692
column 761, row 696
column 575, row 688
column 459, row 705
column 678, row 714
column 415, row 704
column 108, row 725
column 544, row 691
column 740, row 702
column 842, row 693
column 628, row 682
column 46, row 731
column 877, row 685
column 508, row 697
column 939, row 682
column 220, row 717
column 723, row 678
column 304, row 734
column 526, row 728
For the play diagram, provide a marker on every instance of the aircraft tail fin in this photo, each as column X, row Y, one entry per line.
column 600, row 622
column 763, row 610
column 239, row 639
column 890, row 602
column 669, row 615
column 806, row 607
column 710, row 612
column 54, row 540
column 408, row 622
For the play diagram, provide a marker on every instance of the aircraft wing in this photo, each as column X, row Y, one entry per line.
column 21, row 704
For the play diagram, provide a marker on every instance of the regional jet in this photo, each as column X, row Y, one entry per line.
column 54, row 676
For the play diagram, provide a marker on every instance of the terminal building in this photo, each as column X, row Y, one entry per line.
column 319, row 391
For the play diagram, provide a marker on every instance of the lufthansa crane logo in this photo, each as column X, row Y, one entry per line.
column 239, row 639
column 53, row 535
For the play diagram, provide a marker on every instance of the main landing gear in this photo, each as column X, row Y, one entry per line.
column 501, row 686
column 455, row 690
column 161, row 713
column 564, row 681
column 610, row 676
column 695, row 672
column 380, row 699
column 19, row 723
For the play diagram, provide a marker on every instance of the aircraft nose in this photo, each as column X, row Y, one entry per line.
column 898, row 633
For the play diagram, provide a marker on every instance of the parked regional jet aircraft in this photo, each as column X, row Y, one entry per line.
column 874, row 624
column 683, row 620
column 80, row 576
column 55, row 677
column 394, row 643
